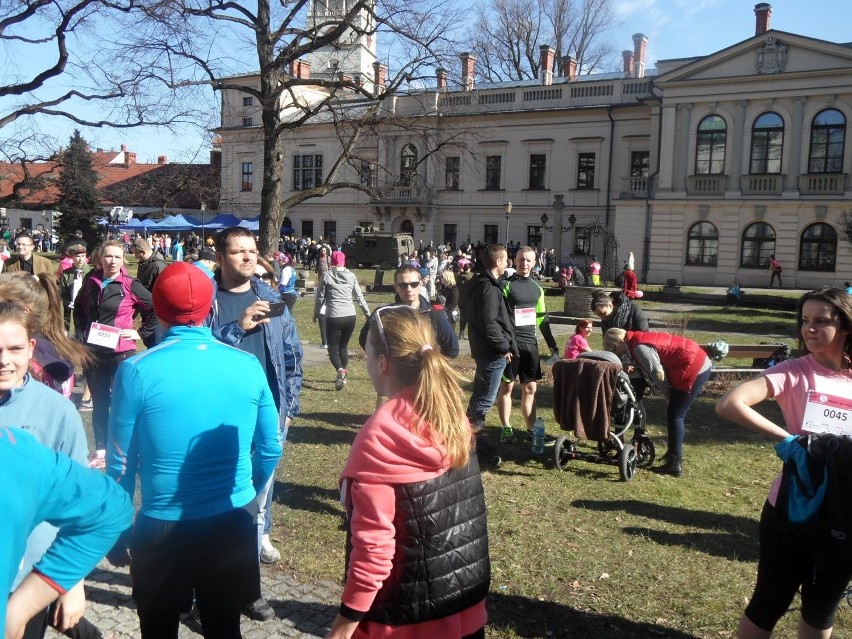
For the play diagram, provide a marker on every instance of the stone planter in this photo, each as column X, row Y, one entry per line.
column 578, row 299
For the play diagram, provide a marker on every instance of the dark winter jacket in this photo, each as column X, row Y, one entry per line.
column 149, row 270
column 491, row 327
column 626, row 315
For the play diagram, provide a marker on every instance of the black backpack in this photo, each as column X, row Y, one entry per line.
column 825, row 489
column 782, row 354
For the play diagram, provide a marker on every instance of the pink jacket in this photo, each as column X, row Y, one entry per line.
column 386, row 452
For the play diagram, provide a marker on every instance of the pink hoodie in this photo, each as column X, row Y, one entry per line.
column 385, row 453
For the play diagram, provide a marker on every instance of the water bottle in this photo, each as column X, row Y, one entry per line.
column 538, row 437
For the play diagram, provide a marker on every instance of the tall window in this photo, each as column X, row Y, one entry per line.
column 307, row 172
column 329, row 230
column 493, row 165
column 585, row 170
column 489, row 234
column 247, row 183
column 538, row 164
column 702, row 246
column 367, row 173
column 451, row 234
column 248, row 122
column 710, row 147
column 818, row 250
column 758, row 245
column 828, row 135
column 582, row 241
column 639, row 163
column 534, row 236
column 408, row 165
column 767, row 142
column 452, row 170
column 249, row 101
column 307, row 228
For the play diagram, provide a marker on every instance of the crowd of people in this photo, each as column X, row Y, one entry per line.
column 202, row 527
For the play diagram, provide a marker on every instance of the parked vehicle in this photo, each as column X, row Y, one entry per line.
column 376, row 249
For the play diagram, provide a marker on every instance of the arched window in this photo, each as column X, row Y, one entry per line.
column 408, row 165
column 702, row 248
column 758, row 245
column 818, row 250
column 710, row 147
column 767, row 141
column 828, row 135
column 406, row 226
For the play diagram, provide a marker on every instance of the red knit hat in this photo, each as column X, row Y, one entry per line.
column 183, row 295
column 338, row 258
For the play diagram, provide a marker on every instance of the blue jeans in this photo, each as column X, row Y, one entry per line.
column 486, row 383
column 678, row 406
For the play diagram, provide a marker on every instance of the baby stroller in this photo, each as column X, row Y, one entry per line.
column 593, row 397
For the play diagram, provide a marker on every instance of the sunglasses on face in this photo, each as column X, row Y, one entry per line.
column 408, row 284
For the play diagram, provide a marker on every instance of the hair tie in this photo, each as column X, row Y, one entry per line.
column 425, row 347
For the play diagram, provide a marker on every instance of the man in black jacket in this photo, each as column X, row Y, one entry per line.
column 491, row 331
column 151, row 264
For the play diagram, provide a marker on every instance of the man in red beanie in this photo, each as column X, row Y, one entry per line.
column 189, row 437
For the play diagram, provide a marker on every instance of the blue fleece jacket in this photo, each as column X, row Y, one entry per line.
column 54, row 421
column 184, row 416
column 39, row 485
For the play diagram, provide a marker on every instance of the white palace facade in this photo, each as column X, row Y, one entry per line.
column 702, row 167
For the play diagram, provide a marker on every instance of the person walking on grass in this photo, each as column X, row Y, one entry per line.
column 785, row 567
column 776, row 269
column 339, row 291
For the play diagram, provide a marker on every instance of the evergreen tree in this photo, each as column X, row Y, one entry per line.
column 79, row 201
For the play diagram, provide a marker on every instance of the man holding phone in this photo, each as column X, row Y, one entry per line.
column 243, row 315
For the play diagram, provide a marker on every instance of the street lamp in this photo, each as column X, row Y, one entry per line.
column 572, row 220
column 508, row 213
column 202, row 208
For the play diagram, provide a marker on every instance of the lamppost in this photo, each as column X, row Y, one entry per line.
column 508, row 214
column 202, row 208
column 572, row 220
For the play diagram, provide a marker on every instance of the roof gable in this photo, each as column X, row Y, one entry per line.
column 766, row 56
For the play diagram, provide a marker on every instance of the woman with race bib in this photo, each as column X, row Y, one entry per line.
column 824, row 328
column 103, row 315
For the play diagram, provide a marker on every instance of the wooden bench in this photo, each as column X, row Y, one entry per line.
column 743, row 351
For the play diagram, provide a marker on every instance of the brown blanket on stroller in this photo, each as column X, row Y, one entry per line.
column 583, row 391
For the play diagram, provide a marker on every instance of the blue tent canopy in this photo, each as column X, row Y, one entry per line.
column 175, row 223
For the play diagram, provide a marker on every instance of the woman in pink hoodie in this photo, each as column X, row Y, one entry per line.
column 417, row 541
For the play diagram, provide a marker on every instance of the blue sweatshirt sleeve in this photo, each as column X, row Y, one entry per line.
column 292, row 355
column 267, row 446
column 122, row 453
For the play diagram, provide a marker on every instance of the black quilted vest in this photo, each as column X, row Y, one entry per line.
column 441, row 564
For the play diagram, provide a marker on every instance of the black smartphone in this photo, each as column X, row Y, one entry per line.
column 276, row 309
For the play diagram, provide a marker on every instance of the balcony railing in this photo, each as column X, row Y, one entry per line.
column 634, row 187
column 822, row 184
column 762, row 184
column 706, row 184
column 397, row 194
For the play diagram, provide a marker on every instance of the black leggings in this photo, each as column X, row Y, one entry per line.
column 100, row 377
column 338, row 332
column 37, row 627
column 781, row 569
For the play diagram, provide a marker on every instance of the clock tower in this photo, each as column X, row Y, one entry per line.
column 354, row 52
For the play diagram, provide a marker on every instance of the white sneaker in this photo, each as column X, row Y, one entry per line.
column 268, row 553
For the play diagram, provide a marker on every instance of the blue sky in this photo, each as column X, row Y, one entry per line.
column 675, row 29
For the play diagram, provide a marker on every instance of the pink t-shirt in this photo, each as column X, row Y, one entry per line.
column 576, row 345
column 791, row 381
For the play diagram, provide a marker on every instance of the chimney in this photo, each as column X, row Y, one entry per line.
column 215, row 162
column 345, row 79
column 467, row 62
column 441, row 74
column 130, row 158
column 359, row 81
column 569, row 68
column 162, row 159
column 123, row 148
column 546, row 55
column 380, row 75
column 762, row 12
column 640, row 41
column 300, row 69
column 627, row 56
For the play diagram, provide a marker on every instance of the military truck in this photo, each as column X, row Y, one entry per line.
column 367, row 249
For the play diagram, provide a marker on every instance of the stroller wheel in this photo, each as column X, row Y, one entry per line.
column 645, row 451
column 563, row 452
column 627, row 463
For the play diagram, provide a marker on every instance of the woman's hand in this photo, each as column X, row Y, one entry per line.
column 342, row 628
column 129, row 333
column 69, row 608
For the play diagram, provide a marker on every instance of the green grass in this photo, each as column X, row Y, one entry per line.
column 577, row 553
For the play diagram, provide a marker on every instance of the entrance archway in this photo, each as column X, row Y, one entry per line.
column 406, row 226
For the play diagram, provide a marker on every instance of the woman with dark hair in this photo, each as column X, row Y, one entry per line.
column 824, row 332
column 109, row 298
column 417, row 561
column 678, row 367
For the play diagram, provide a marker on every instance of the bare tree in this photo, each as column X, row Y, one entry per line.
column 175, row 37
column 507, row 34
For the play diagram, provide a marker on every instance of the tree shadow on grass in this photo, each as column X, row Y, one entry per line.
column 527, row 617
column 303, row 431
column 727, row 536
column 309, row 498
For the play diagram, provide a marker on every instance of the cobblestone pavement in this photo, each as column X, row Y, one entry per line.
column 301, row 609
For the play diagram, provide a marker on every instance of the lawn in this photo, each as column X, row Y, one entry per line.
column 576, row 553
